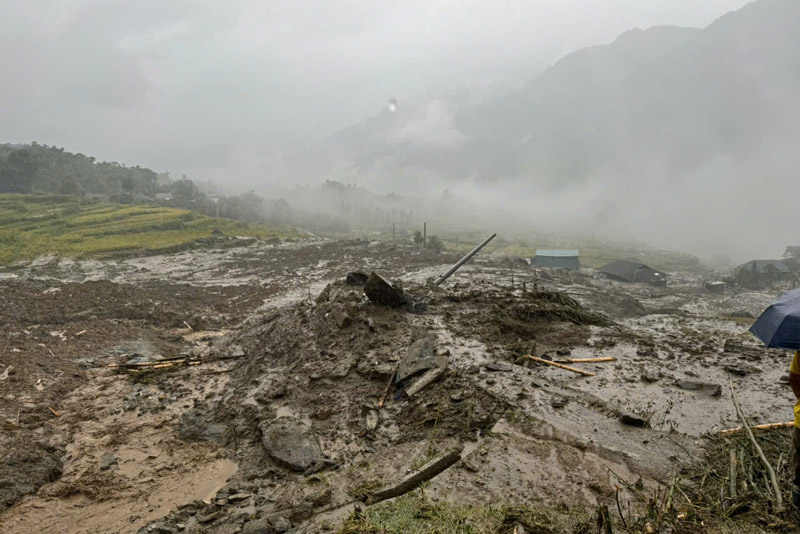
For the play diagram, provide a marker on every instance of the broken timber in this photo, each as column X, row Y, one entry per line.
column 386, row 391
column 410, row 482
column 430, row 376
column 589, row 360
column 559, row 365
column 765, row 426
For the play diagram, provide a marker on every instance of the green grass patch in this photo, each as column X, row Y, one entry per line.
column 414, row 514
column 36, row 225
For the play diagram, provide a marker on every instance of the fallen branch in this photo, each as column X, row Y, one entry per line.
column 169, row 362
column 430, row 470
column 770, row 471
column 588, row 360
column 386, row 391
column 559, row 365
column 54, row 412
column 765, row 426
column 732, row 474
column 430, row 376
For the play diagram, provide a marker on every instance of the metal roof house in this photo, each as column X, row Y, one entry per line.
column 632, row 271
column 562, row 259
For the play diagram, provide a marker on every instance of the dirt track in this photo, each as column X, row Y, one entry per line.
column 115, row 451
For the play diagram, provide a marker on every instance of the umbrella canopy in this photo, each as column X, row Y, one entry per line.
column 779, row 325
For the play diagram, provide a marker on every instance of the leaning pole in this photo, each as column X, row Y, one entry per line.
column 463, row 260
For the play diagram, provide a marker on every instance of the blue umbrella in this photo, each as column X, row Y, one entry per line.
column 779, row 326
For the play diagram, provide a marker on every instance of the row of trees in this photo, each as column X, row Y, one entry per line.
column 39, row 168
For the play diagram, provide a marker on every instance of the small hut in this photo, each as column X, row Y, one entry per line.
column 561, row 259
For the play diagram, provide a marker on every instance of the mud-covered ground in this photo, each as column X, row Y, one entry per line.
column 275, row 425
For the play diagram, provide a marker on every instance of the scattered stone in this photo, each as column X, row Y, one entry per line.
column 158, row 528
column 208, row 518
column 107, row 460
column 194, row 426
column 324, row 295
column 738, row 370
column 379, row 291
column 458, row 396
column 372, row 417
column 356, row 279
column 340, row 316
column 343, row 368
column 258, row 526
column 292, row 444
column 419, row 357
column 499, row 367
column 649, row 378
column 558, row 403
column 632, row 420
column 236, row 351
column 280, row 524
column 321, row 498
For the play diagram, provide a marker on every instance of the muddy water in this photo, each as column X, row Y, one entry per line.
column 124, row 466
column 82, row 515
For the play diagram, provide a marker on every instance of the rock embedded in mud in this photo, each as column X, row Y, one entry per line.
column 107, row 460
column 380, row 292
column 292, row 444
column 340, row 316
column 714, row 390
column 420, row 356
column 741, row 370
column 257, row 526
column 324, row 295
column 195, row 426
column 633, row 420
column 501, row 367
column 356, row 279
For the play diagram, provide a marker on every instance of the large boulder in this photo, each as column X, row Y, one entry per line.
column 292, row 444
column 379, row 291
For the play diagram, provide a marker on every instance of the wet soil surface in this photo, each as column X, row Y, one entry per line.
column 250, row 402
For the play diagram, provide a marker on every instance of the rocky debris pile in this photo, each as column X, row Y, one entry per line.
column 335, row 392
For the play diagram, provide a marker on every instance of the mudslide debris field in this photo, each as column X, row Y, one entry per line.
column 264, row 389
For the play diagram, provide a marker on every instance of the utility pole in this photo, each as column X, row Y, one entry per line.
column 424, row 235
column 394, row 234
column 463, row 260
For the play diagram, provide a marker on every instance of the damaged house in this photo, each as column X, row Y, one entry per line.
column 632, row 271
column 761, row 273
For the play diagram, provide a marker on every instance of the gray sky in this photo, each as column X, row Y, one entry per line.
column 217, row 89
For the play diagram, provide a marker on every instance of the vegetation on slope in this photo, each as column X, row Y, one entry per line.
column 34, row 225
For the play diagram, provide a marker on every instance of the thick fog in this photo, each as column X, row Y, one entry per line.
column 273, row 95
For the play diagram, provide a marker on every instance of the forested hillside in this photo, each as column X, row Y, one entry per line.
column 37, row 168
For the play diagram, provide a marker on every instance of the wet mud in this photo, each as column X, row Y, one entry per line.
column 272, row 419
